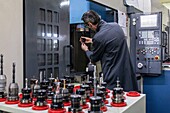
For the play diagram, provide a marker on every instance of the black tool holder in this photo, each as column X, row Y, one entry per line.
column 102, row 95
column 26, row 98
column 118, row 98
column 62, row 82
column 41, row 98
column 65, row 93
column 57, row 87
column 57, row 102
column 51, row 88
column 104, row 84
column 87, row 90
column 3, row 80
column 95, row 103
column 118, row 93
column 102, row 88
column 40, row 103
column 51, row 82
column 26, row 94
column 32, row 83
column 50, row 94
column 90, row 83
column 69, row 79
column 83, row 78
column 44, row 84
column 89, row 73
column 66, row 96
column 36, row 87
column 57, row 105
column 13, row 97
column 70, row 88
column 83, row 103
column 75, row 104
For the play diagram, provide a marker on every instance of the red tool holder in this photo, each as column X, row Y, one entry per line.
column 75, row 88
column 12, row 102
column 103, row 108
column 87, row 100
column 85, row 106
column 107, row 96
column 133, row 94
column 61, row 110
column 106, row 101
column 2, row 99
column 107, row 90
column 78, row 112
column 25, row 105
column 20, row 95
column 67, row 103
column 122, row 104
column 49, row 101
column 40, row 107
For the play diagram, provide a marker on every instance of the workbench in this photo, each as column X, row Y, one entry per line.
column 134, row 105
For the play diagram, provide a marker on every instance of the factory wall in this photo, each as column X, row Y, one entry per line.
column 11, row 38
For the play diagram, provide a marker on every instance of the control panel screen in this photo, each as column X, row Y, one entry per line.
column 144, row 34
column 149, row 37
column 149, row 20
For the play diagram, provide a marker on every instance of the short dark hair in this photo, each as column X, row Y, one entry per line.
column 91, row 16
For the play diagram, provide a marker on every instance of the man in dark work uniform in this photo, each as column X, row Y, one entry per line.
column 109, row 47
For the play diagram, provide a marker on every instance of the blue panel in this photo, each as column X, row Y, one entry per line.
column 157, row 90
column 77, row 8
column 105, row 13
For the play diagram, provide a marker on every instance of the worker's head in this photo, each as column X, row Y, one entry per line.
column 91, row 19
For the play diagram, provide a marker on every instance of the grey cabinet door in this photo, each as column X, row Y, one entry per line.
column 46, row 38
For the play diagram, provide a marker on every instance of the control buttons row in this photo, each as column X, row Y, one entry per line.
column 148, row 50
column 153, row 58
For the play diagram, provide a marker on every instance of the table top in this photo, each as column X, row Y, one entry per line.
column 129, row 100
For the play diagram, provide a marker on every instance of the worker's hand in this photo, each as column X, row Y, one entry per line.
column 84, row 47
column 85, row 39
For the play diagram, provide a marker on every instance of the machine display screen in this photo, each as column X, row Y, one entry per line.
column 149, row 20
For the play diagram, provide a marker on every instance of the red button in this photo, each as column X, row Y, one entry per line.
column 156, row 57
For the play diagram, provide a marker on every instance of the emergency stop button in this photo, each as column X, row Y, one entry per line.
column 156, row 57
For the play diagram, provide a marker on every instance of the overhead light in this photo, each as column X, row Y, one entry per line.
column 64, row 3
column 165, row 3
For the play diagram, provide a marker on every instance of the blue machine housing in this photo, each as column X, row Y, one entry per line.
column 76, row 12
column 157, row 90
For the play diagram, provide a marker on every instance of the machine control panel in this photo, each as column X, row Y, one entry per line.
column 146, row 33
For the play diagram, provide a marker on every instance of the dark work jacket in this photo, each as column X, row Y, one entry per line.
column 110, row 47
